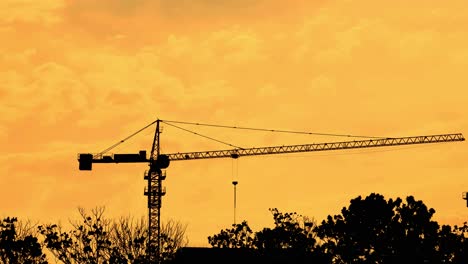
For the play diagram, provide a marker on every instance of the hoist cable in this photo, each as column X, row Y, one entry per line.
column 169, row 122
column 125, row 139
column 271, row 130
column 198, row 134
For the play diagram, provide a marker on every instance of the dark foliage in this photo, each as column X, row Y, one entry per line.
column 239, row 236
column 291, row 237
column 15, row 249
column 370, row 230
column 374, row 230
column 96, row 239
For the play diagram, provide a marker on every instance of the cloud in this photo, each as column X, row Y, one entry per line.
column 212, row 71
column 31, row 11
column 51, row 90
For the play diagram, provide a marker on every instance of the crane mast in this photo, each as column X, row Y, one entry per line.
column 157, row 162
column 154, row 192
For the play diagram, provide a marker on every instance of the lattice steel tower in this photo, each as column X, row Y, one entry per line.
column 155, row 191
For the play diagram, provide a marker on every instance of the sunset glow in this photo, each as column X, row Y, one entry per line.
column 78, row 76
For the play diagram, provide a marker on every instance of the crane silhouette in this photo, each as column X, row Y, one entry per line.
column 158, row 162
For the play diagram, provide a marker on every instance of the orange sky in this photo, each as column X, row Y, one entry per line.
column 77, row 76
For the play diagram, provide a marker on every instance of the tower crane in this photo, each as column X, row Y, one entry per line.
column 158, row 162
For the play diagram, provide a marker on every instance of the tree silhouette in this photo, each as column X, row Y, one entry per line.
column 369, row 230
column 19, row 247
column 96, row 239
column 172, row 238
column 239, row 236
column 291, row 231
column 129, row 239
column 291, row 237
column 88, row 242
column 453, row 243
column 374, row 230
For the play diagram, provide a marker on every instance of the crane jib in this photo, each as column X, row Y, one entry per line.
column 384, row 142
column 86, row 159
